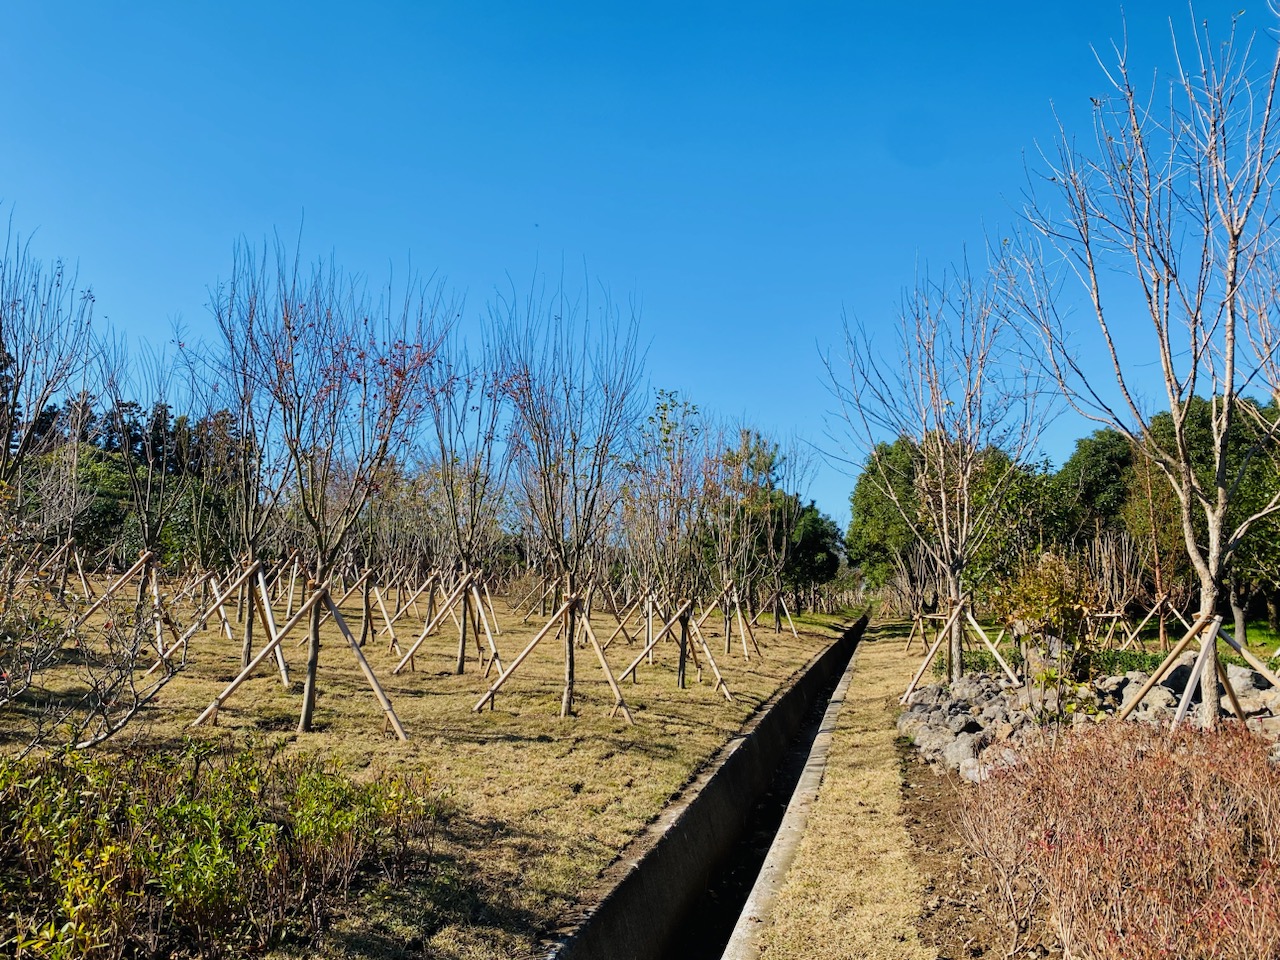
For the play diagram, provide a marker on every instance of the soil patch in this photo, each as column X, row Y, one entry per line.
column 953, row 919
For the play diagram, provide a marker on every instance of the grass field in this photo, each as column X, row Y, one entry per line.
column 540, row 804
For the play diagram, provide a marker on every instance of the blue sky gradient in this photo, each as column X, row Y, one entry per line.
column 747, row 173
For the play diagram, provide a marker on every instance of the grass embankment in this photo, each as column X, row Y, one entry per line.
column 852, row 890
column 541, row 804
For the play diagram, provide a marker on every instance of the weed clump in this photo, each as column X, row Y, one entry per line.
column 1135, row 843
column 192, row 853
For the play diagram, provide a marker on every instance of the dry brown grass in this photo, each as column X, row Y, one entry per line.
column 542, row 804
column 853, row 890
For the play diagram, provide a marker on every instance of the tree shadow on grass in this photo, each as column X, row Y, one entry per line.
column 447, row 909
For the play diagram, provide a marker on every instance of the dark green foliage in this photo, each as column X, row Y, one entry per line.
column 166, row 855
column 1094, row 483
column 879, row 536
column 814, row 557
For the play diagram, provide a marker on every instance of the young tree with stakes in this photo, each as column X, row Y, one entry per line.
column 1171, row 211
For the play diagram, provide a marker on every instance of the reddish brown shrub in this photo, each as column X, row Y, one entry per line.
column 1141, row 844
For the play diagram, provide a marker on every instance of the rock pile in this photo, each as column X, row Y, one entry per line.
column 979, row 721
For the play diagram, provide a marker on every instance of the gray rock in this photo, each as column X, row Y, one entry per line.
column 931, row 740
column 963, row 747
column 963, row 723
column 1158, row 697
column 1245, row 681
column 1252, row 705
column 974, row 770
column 995, row 712
column 1111, row 685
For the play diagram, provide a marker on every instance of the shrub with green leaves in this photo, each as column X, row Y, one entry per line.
column 204, row 853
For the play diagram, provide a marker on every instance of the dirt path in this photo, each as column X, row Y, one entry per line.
column 854, row 889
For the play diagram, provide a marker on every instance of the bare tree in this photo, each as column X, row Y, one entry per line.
column 44, row 341
column 467, row 405
column 954, row 387
column 343, row 373
column 573, row 382
column 1169, row 216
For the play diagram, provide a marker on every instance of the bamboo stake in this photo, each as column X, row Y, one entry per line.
column 378, row 692
column 445, row 608
column 990, row 646
column 933, row 651
column 191, row 631
column 1231, row 691
column 493, row 614
column 706, row 648
column 484, row 621
column 502, row 677
column 791, row 622
column 110, row 591
column 654, row 642
column 1253, row 661
column 1164, row 667
column 243, row 675
column 1206, row 644
column 622, row 626
column 84, row 581
column 619, row 703
column 387, row 618
column 269, row 621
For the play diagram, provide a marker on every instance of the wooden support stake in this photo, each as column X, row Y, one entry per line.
column 218, row 600
column 656, row 637
column 618, row 702
column 269, row 622
column 1165, row 666
column 991, row 646
column 110, row 591
column 706, row 648
column 494, row 658
column 266, row 651
column 1207, row 643
column 933, row 651
column 378, row 692
column 446, row 607
column 502, row 677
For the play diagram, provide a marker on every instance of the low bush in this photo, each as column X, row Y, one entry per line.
column 196, row 853
column 1133, row 843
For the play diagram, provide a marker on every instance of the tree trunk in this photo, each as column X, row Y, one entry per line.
column 684, row 651
column 313, row 663
column 246, row 649
column 955, row 642
column 1239, row 606
column 461, row 664
column 1273, row 612
column 1209, row 695
column 366, row 620
column 566, row 700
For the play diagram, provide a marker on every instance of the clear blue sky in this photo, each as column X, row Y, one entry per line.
column 748, row 172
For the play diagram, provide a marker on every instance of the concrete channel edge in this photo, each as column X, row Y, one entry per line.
column 663, row 871
column 744, row 944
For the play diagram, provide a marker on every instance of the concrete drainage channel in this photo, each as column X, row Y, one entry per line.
column 679, row 888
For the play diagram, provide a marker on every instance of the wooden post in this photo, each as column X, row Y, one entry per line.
column 354, row 644
column 991, row 646
column 618, row 702
column 706, row 648
column 1164, row 667
column 431, row 624
column 654, row 641
column 262, row 654
column 933, row 651
column 502, row 677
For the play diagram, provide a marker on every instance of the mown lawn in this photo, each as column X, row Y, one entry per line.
column 540, row 804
